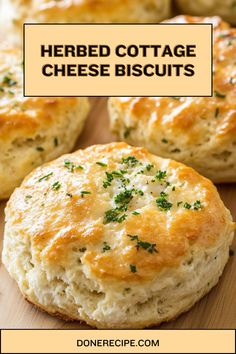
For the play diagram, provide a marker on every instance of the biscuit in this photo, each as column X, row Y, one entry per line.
column 32, row 130
column 116, row 237
column 93, row 10
column 198, row 131
column 226, row 9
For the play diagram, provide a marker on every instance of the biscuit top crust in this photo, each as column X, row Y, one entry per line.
column 102, row 10
column 125, row 213
column 194, row 120
column 19, row 115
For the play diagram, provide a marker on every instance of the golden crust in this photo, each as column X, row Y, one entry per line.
column 32, row 130
column 199, row 131
column 65, row 218
column 19, row 115
column 95, row 10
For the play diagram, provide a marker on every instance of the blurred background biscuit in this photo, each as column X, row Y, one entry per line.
column 198, row 131
column 92, row 10
column 32, row 130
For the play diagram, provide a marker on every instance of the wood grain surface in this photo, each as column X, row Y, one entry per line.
column 215, row 310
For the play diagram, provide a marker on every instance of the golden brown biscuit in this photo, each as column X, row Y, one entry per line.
column 116, row 237
column 226, row 9
column 32, row 130
column 93, row 10
column 198, row 131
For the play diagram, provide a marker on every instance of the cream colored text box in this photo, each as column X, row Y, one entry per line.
column 198, row 35
column 170, row 341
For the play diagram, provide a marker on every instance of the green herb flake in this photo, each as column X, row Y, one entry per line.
column 149, row 167
column 135, row 213
column 161, row 175
column 69, row 195
column 83, row 249
column 28, row 197
column 84, row 193
column 39, row 148
column 187, row 205
column 197, row 205
column 150, row 247
column 109, row 179
column 163, row 203
column 8, row 81
column 133, row 268
column 56, row 186
column 130, row 161
column 123, row 198
column 71, row 166
column 219, row 94
column 46, row 177
column 102, row 164
column 113, row 215
column 106, row 247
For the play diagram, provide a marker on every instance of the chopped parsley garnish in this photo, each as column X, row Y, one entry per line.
column 138, row 191
column 8, row 81
column 133, row 268
column 149, row 167
column 106, row 247
column 187, row 205
column 46, row 177
column 56, row 186
column 135, row 213
column 115, row 174
column 197, row 205
column 179, row 203
column 163, row 203
column 71, row 166
column 150, row 247
column 113, row 215
column 102, row 164
column 160, row 175
column 217, row 112
column 84, row 193
column 28, row 197
column 39, row 148
column 83, row 249
column 219, row 94
column 69, row 195
column 124, row 198
column 130, row 161
column 109, row 179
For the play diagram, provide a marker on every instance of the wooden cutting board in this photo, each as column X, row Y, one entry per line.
column 216, row 310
